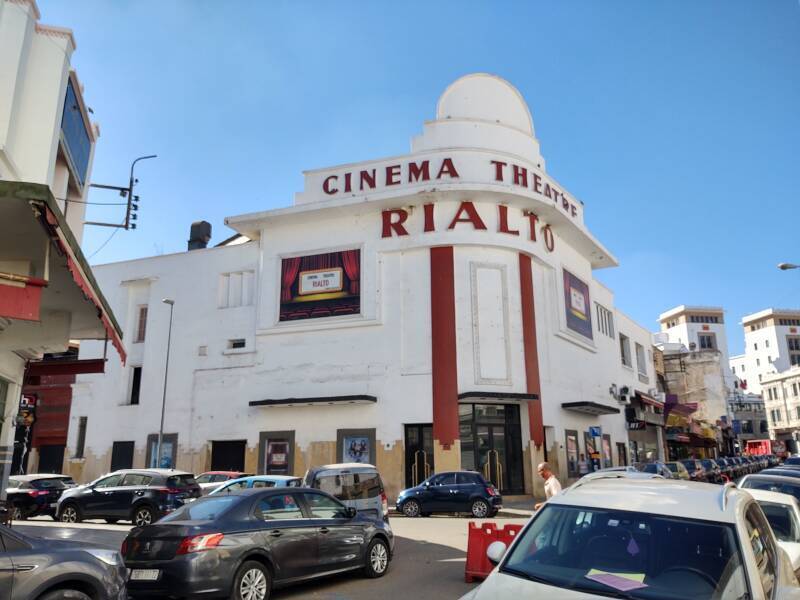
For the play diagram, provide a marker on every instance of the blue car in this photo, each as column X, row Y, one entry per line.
column 451, row 492
column 257, row 481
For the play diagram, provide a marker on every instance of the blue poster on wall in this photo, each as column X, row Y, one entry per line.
column 577, row 305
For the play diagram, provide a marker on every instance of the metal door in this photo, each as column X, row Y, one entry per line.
column 491, row 448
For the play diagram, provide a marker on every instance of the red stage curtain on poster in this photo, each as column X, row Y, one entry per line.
column 290, row 267
column 321, row 285
column 351, row 259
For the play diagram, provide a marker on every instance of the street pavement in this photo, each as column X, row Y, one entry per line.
column 430, row 555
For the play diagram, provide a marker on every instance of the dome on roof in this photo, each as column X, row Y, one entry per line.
column 485, row 97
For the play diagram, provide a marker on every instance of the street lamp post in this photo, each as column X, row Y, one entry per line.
column 166, row 373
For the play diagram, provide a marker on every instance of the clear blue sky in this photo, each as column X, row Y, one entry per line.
column 677, row 123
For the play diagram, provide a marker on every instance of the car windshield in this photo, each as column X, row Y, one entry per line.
column 771, row 485
column 707, row 463
column 672, row 467
column 646, row 556
column 783, row 521
column 48, row 484
column 205, row 509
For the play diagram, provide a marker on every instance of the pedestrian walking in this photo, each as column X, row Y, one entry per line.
column 551, row 483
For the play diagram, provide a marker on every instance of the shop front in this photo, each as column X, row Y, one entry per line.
column 645, row 423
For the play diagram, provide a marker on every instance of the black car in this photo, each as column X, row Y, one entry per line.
column 32, row 495
column 139, row 495
column 451, row 492
column 243, row 544
column 32, row 567
column 792, row 460
column 713, row 472
column 696, row 470
column 726, row 468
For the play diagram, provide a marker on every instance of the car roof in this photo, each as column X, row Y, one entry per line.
column 667, row 497
column 770, row 477
column 252, row 491
column 775, row 497
column 344, row 466
column 34, row 477
column 164, row 472
column 221, row 473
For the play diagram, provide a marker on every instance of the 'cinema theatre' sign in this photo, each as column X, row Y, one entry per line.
column 446, row 170
column 394, row 222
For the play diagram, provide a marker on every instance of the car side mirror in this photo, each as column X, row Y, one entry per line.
column 425, row 484
column 495, row 552
column 351, row 512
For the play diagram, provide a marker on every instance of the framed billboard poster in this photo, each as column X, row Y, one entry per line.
column 355, row 449
column 577, row 305
column 320, row 285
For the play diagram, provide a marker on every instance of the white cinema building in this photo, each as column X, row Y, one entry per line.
column 424, row 312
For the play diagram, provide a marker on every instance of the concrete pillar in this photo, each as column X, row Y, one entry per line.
column 660, row 443
column 447, row 459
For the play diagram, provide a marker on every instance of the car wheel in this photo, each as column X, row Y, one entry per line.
column 377, row 559
column 70, row 514
column 480, row 509
column 111, row 521
column 411, row 509
column 252, row 582
column 143, row 515
column 65, row 595
column 17, row 514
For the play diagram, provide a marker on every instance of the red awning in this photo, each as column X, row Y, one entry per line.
column 65, row 367
column 20, row 296
column 648, row 399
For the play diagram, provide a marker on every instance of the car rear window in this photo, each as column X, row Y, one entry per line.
column 205, row 509
column 771, row 486
column 48, row 484
column 181, row 481
column 782, row 520
column 351, row 486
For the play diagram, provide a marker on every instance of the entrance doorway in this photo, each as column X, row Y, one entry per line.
column 491, row 443
column 419, row 453
column 121, row 455
column 51, row 459
column 228, row 455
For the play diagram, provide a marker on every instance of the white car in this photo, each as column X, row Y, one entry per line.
column 649, row 539
column 783, row 513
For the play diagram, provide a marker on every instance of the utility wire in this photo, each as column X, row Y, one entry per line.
column 94, row 203
column 103, row 245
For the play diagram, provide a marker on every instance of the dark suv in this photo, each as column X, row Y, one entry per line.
column 453, row 492
column 141, row 496
column 33, row 567
column 32, row 495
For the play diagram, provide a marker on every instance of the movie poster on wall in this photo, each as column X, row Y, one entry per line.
column 321, row 285
column 577, row 305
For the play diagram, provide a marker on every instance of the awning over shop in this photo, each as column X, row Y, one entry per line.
column 39, row 368
column 648, row 399
column 496, row 396
column 329, row 400
column 681, row 438
column 590, row 408
column 49, row 293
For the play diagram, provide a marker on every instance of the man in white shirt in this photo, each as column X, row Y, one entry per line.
column 551, row 484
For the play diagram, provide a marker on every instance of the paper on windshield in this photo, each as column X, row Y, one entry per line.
column 623, row 582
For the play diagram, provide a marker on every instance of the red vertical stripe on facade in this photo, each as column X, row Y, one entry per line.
column 535, row 420
column 443, row 346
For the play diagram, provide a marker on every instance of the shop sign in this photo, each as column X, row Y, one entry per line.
column 637, row 425
column 596, row 431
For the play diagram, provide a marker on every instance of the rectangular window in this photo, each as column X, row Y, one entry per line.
column 797, row 412
column 236, row 343
column 320, row 285
column 794, row 389
column 794, row 359
column 572, row 453
column 747, row 427
column 755, row 346
column 236, row 289
column 136, row 384
column 605, row 320
column 3, row 399
column 80, row 447
column 641, row 363
column 141, row 325
column 733, row 370
column 766, row 343
column 758, row 363
column 707, row 341
column 625, row 350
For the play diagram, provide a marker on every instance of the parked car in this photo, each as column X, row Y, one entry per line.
column 32, row 567
column 783, row 513
column 139, row 495
column 678, row 470
column 771, row 483
column 792, row 460
column 451, row 492
column 713, row 472
column 726, row 469
column 241, row 545
column 32, row 495
column 211, row 480
column 696, row 470
column 781, row 472
column 356, row 484
column 257, row 481
column 654, row 539
column 656, row 467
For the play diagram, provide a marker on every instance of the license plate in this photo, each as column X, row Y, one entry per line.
column 144, row 574
column 53, row 504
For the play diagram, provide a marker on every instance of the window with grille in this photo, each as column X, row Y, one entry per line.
column 605, row 320
column 707, row 341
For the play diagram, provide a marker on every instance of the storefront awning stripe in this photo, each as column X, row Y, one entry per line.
column 648, row 399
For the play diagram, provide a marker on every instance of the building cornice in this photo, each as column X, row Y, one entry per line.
column 32, row 3
column 63, row 33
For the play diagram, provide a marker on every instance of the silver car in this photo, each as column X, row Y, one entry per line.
column 356, row 484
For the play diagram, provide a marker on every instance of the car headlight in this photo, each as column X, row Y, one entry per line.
column 110, row 557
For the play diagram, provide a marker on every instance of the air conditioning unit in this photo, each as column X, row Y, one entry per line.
column 624, row 399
